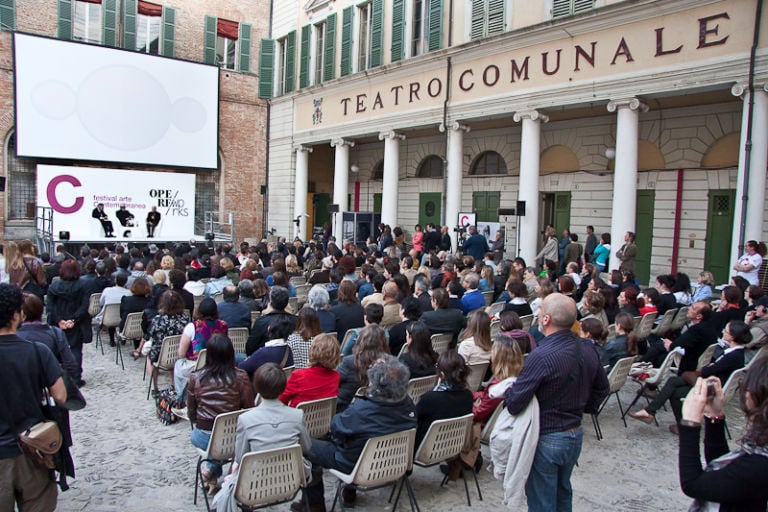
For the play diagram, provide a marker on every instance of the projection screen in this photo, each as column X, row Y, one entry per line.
column 84, row 102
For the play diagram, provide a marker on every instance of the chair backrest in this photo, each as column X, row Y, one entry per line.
column 132, row 329
column 441, row 341
column 347, row 336
column 527, row 321
column 317, row 416
column 111, row 317
column 288, row 370
column 619, row 373
column 665, row 324
column 198, row 299
column 637, row 319
column 420, row 385
column 485, row 435
column 760, row 353
column 221, row 446
column 495, row 328
column 488, row 296
column 403, row 349
column 359, row 393
column 297, row 280
column 254, row 316
column 302, row 290
column 384, row 459
column 476, row 375
column 496, row 308
column 733, row 384
column 269, row 476
column 202, row 358
column 293, row 305
column 239, row 337
column 646, row 324
column 611, row 332
column 218, row 297
column 444, row 440
column 661, row 374
column 681, row 318
column 169, row 352
column 706, row 357
column 93, row 304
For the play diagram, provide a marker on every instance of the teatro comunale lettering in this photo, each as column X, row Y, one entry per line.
column 671, row 40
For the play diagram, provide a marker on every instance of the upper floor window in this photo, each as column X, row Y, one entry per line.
column 318, row 53
column 227, row 44
column 420, row 28
column 149, row 21
column 487, row 18
column 7, row 15
column 430, row 167
column 86, row 21
column 562, row 8
column 364, row 13
column 148, row 28
column 488, row 162
column 281, row 68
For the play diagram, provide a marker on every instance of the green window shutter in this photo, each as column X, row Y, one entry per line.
column 209, row 42
column 306, row 30
column 495, row 17
column 561, row 8
column 346, row 41
column 290, row 61
column 582, row 5
column 129, row 24
column 266, row 67
column 65, row 19
column 435, row 24
column 109, row 24
column 478, row 19
column 169, row 32
column 377, row 32
column 329, row 61
column 7, row 15
column 398, row 30
column 245, row 47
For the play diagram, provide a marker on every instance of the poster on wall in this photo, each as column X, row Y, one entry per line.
column 94, row 204
column 488, row 230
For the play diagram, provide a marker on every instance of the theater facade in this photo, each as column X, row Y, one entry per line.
column 643, row 116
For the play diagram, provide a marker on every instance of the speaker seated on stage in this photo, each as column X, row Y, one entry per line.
column 153, row 221
column 125, row 217
column 99, row 214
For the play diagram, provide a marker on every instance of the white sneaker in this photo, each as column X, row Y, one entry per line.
column 180, row 413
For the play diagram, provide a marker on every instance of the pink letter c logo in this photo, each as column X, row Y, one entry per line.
column 51, row 194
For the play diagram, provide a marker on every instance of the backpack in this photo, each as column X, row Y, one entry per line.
column 165, row 400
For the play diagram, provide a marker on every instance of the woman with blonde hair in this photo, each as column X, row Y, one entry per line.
column 704, row 290
column 486, row 278
column 320, row 379
column 292, row 267
column 167, row 263
column 475, row 344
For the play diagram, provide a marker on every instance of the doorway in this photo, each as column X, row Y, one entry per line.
column 719, row 233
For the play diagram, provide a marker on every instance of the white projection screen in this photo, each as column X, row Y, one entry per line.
column 73, row 194
column 84, row 102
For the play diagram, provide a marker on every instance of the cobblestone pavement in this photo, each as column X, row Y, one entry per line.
column 127, row 460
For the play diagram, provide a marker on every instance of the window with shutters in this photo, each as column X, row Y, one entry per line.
column 7, row 15
column 86, row 21
column 364, row 18
column 488, row 18
column 149, row 22
column 562, row 8
column 318, row 52
column 227, row 44
column 420, row 28
column 21, row 192
column 281, row 66
column 488, row 163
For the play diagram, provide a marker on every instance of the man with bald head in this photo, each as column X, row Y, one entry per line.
column 565, row 375
column 391, row 305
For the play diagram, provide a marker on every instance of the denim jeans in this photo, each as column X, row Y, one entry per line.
column 199, row 438
column 548, row 488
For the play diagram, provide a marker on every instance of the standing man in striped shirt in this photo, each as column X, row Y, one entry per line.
column 565, row 375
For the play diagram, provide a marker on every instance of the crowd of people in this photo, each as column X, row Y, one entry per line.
column 363, row 329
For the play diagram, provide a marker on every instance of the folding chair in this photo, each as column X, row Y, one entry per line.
column 476, row 375
column 347, row 336
column 239, row 337
column 270, row 477
column 656, row 378
column 611, row 332
column 616, row 380
column 110, row 319
column 681, row 318
column 485, row 435
column 302, row 291
column 288, row 370
column 293, row 305
column 297, row 280
column 94, row 304
column 495, row 328
column 385, row 460
column 644, row 327
column 706, row 357
column 420, row 385
column 488, row 296
column 221, row 447
column 131, row 331
column 760, row 353
column 318, row 415
column 730, row 388
column 198, row 299
column 202, row 358
column 527, row 321
column 496, row 308
column 441, row 341
column 218, row 297
column 254, row 316
column 169, row 354
column 665, row 324
column 444, row 440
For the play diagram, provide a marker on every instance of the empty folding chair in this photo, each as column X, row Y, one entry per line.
column 616, row 380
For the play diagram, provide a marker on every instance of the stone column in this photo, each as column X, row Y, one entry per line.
column 530, row 153
column 300, row 191
column 454, row 172
column 391, row 179
column 625, row 172
column 754, row 163
column 340, row 182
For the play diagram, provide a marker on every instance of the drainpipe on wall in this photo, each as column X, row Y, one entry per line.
column 676, row 230
column 445, row 221
column 265, row 196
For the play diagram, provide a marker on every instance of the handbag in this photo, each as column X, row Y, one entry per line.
column 32, row 286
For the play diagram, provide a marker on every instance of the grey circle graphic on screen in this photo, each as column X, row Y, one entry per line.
column 189, row 115
column 124, row 108
column 54, row 100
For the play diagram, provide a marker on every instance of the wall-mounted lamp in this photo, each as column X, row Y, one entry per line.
column 610, row 153
column 355, row 169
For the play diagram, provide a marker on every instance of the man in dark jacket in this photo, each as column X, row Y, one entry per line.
column 475, row 245
column 444, row 318
column 278, row 300
column 232, row 311
column 386, row 409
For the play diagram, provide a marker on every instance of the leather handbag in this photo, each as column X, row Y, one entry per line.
column 41, row 442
